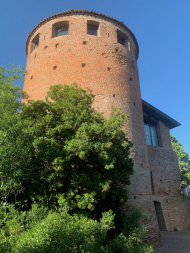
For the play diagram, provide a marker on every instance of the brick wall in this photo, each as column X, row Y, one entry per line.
column 186, row 201
column 110, row 70
column 166, row 179
column 164, row 135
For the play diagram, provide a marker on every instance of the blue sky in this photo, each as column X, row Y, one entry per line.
column 162, row 29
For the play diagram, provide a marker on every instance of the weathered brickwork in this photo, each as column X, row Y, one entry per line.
column 164, row 135
column 186, row 201
column 110, row 70
column 166, row 180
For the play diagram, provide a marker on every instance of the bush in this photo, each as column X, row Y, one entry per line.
column 40, row 230
column 63, row 147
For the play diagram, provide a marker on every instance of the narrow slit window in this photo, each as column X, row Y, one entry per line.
column 93, row 28
column 152, row 183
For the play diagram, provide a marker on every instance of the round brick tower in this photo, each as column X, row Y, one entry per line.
column 99, row 52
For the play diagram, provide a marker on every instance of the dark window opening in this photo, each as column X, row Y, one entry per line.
column 151, row 135
column 34, row 43
column 60, row 29
column 160, row 216
column 121, row 38
column 93, row 28
column 152, row 183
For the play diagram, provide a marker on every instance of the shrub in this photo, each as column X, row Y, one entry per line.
column 40, row 230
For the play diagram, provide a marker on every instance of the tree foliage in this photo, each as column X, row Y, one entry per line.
column 42, row 230
column 10, row 94
column 57, row 149
column 63, row 146
column 183, row 160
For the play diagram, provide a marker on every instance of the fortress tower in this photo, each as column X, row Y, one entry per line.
column 99, row 52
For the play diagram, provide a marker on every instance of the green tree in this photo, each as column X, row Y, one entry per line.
column 10, row 94
column 63, row 146
column 183, row 160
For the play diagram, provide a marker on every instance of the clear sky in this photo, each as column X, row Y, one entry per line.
column 162, row 29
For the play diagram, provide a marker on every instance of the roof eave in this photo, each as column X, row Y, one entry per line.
column 168, row 121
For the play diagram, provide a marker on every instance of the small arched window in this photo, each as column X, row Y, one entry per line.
column 93, row 27
column 60, row 28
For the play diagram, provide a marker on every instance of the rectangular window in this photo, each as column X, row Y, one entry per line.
column 151, row 135
column 63, row 30
column 121, row 38
column 34, row 43
column 60, row 29
column 92, row 28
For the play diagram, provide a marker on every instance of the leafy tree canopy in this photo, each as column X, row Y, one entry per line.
column 63, row 146
column 57, row 149
column 10, row 93
column 183, row 159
